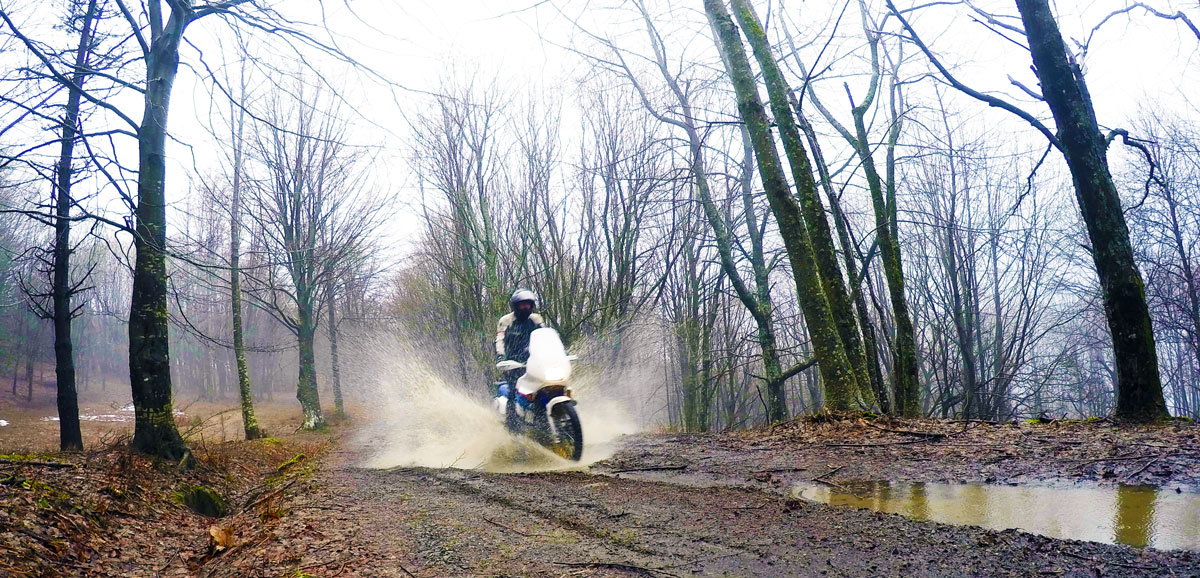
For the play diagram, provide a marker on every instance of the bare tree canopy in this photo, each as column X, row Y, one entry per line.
column 854, row 206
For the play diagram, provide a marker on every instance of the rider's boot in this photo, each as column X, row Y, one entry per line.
column 511, row 420
column 541, row 426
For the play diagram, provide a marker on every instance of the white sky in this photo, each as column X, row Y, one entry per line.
column 416, row 43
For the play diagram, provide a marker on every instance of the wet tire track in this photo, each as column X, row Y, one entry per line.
column 580, row 524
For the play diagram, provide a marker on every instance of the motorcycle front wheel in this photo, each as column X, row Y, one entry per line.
column 568, row 438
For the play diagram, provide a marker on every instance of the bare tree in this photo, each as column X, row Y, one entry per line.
column 832, row 360
column 882, row 187
column 1063, row 89
column 70, row 438
column 824, row 250
column 458, row 156
column 228, row 190
column 54, row 302
column 1166, row 234
column 676, row 96
column 249, row 420
column 156, row 28
column 315, row 213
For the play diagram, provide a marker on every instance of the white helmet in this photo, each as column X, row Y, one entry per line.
column 522, row 295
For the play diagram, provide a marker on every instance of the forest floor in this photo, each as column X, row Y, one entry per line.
column 300, row 505
column 1094, row 450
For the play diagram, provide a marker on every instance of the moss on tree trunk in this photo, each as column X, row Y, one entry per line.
column 1139, row 389
column 820, row 238
column 149, row 346
column 836, row 371
column 306, row 386
column 245, row 390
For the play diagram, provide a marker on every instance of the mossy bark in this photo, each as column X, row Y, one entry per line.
column 904, row 349
column 757, row 300
column 339, row 407
column 836, row 371
column 905, row 365
column 306, row 386
column 149, row 346
column 694, row 336
column 1139, row 389
column 824, row 253
column 870, row 340
column 245, row 390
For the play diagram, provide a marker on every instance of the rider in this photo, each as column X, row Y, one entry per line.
column 512, row 342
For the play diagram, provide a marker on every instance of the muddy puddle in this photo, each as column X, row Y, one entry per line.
column 1137, row 516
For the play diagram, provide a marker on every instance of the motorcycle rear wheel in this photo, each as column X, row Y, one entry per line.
column 569, row 442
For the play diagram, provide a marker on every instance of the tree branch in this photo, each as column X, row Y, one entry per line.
column 990, row 100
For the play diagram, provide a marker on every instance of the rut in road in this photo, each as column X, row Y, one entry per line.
column 451, row 522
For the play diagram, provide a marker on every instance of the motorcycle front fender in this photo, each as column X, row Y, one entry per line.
column 557, row 400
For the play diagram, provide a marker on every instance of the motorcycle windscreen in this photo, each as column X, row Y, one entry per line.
column 547, row 357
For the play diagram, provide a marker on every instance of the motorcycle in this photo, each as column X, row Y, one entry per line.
column 544, row 405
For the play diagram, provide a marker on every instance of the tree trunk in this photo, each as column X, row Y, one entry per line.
column 306, row 387
column 757, row 301
column 964, row 328
column 1189, row 280
column 689, row 393
column 904, row 348
column 692, row 352
column 1139, row 389
column 245, row 391
column 904, row 353
column 28, row 374
column 69, row 436
column 339, row 408
column 857, row 295
column 458, row 334
column 999, row 356
column 16, row 359
column 824, row 254
column 836, row 372
column 149, row 346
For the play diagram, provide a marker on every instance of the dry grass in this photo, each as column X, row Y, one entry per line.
column 32, row 428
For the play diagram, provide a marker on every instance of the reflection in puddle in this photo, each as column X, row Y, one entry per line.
column 1137, row 516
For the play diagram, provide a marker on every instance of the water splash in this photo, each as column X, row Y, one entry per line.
column 422, row 417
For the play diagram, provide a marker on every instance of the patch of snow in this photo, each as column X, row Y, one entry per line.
column 124, row 414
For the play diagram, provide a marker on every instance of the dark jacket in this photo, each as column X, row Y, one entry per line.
column 512, row 335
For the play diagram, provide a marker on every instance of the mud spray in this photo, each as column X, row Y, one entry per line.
column 422, row 416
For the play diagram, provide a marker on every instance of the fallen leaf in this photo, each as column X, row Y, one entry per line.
column 220, row 538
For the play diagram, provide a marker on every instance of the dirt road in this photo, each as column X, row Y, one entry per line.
column 659, row 505
column 447, row 522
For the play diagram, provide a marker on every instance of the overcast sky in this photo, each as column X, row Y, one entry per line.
column 416, row 43
column 1131, row 58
